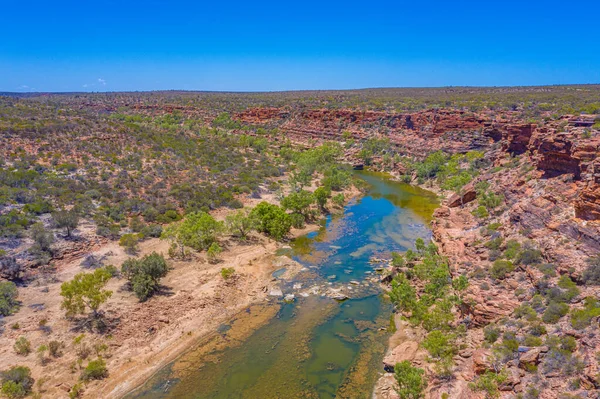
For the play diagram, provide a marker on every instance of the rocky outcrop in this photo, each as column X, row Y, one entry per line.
column 466, row 195
column 516, row 137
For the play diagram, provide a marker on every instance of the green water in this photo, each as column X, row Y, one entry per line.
column 315, row 347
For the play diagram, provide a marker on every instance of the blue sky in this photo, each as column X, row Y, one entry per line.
column 263, row 46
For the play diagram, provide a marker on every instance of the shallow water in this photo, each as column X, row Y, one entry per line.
column 314, row 347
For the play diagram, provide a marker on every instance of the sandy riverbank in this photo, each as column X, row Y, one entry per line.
column 141, row 338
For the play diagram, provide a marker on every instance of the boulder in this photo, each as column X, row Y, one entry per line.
column 482, row 361
column 466, row 195
column 405, row 351
column 530, row 358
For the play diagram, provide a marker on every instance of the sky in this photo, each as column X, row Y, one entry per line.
column 131, row 45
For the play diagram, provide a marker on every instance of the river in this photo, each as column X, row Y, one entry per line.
column 312, row 346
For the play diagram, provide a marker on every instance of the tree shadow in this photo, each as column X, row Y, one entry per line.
column 100, row 324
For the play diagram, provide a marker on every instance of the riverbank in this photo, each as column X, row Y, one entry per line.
column 141, row 338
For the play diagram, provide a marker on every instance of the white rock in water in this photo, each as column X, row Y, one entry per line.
column 289, row 298
column 304, row 294
column 335, row 247
column 276, row 292
column 354, row 282
column 333, row 276
column 297, row 286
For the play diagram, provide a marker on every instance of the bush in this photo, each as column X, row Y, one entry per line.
column 501, row 268
column 489, row 383
column 591, row 275
column 213, row 252
column 491, row 334
column 95, row 370
column 10, row 269
column 8, row 298
column 481, row 212
column 512, row 249
column 227, row 272
column 582, row 318
column 129, row 242
column 554, row 312
column 439, row 345
column 411, row 382
column 22, row 346
column 55, row 348
column 144, row 274
column 529, row 256
column 17, row 382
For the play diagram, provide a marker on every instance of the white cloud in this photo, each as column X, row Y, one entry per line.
column 102, row 81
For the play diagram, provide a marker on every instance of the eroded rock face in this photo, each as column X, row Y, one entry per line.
column 556, row 156
column 517, row 136
column 482, row 361
column 404, row 351
column 467, row 195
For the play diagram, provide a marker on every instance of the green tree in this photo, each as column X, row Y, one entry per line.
column 299, row 202
column 8, row 298
column 198, row 230
column 67, row 219
column 144, row 274
column 86, row 290
column 272, row 220
column 321, row 195
column 240, row 223
column 411, row 383
column 403, row 294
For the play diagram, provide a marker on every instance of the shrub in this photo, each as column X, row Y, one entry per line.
column 532, row 340
column 489, row 383
column 439, row 345
column 491, row 334
column 8, row 298
column 501, row 268
column 480, row 212
column 55, row 348
column 529, row 256
column 144, row 274
column 554, row 312
column 213, row 252
column 95, row 370
column 582, row 318
column 129, row 242
column 10, row 269
column 17, row 382
column 591, row 275
column 411, row 382
column 227, row 272
column 512, row 249
column 22, row 346
column 76, row 391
